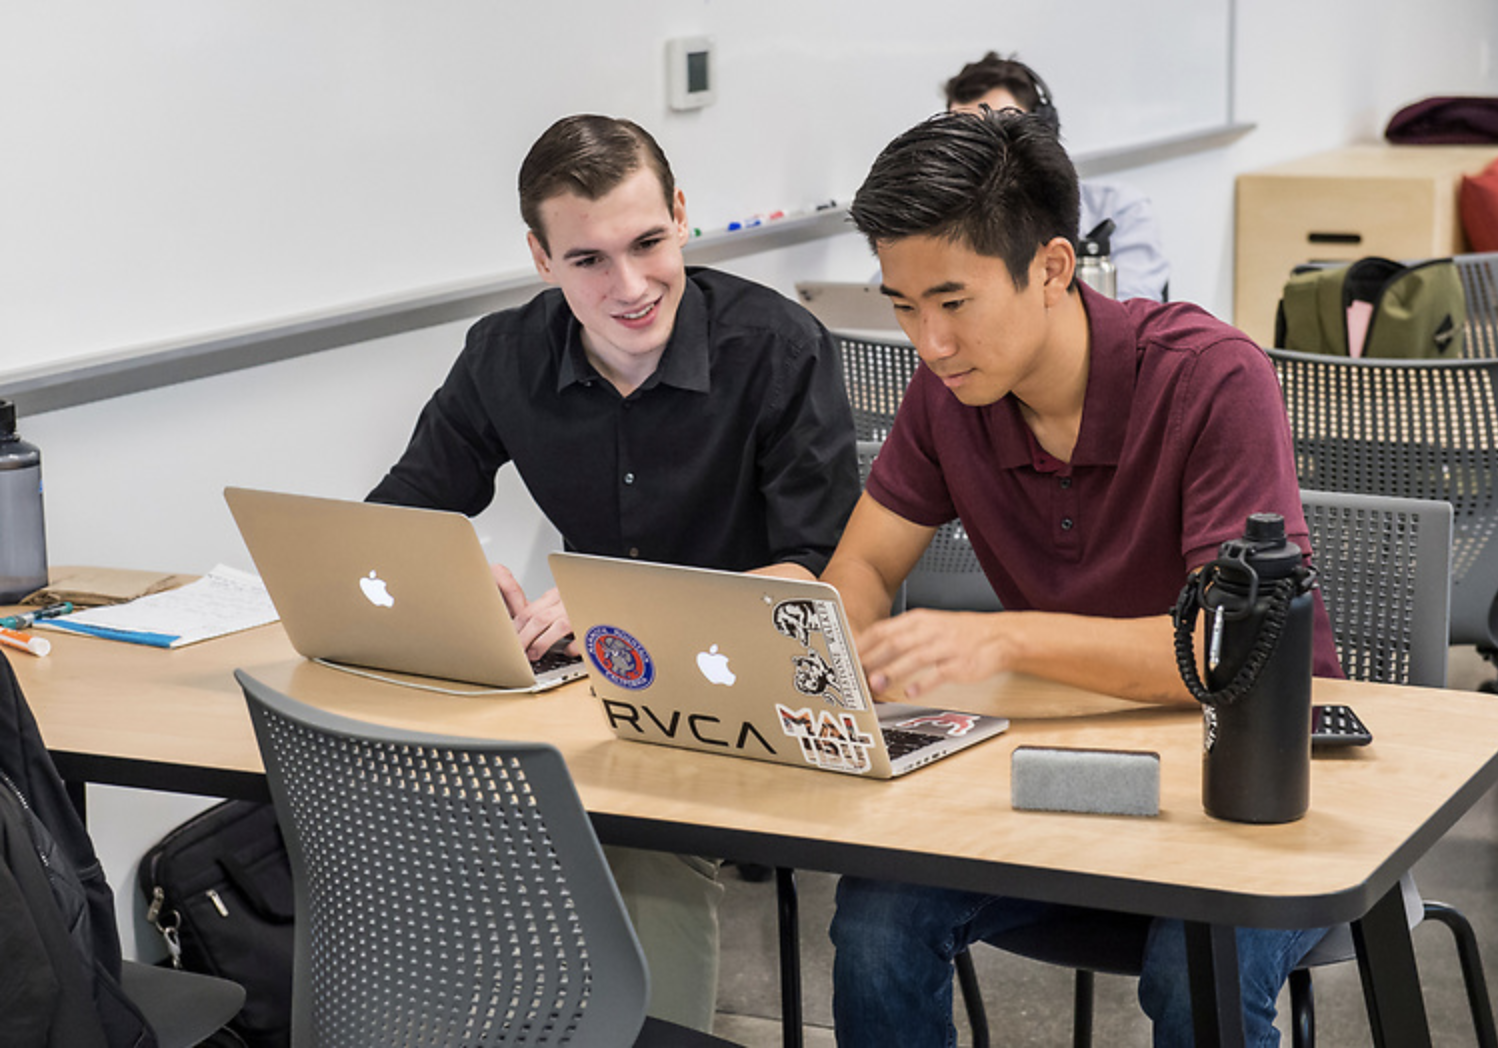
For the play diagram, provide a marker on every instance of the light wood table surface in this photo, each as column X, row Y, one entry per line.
column 175, row 720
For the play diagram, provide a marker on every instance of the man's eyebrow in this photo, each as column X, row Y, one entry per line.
column 583, row 252
column 946, row 288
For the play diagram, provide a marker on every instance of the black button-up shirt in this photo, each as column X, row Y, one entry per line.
column 736, row 453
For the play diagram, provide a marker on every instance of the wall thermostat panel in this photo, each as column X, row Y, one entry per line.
column 690, row 73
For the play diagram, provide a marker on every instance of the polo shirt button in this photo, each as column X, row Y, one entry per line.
column 629, row 478
column 1065, row 482
column 634, row 551
column 1066, row 523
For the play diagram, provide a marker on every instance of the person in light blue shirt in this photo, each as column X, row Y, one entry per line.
column 1004, row 83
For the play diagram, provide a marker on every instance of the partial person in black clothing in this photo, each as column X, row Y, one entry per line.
column 653, row 411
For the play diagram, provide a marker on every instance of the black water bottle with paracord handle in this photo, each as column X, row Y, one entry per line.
column 1256, row 697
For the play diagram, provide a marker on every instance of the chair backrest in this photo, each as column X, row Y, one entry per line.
column 1384, row 567
column 948, row 575
column 1479, row 277
column 448, row 891
column 876, row 372
column 1413, row 429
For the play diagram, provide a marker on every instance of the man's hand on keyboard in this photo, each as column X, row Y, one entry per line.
column 539, row 623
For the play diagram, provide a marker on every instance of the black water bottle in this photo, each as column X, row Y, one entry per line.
column 1256, row 760
column 23, row 536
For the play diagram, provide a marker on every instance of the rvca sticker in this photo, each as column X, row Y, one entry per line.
column 619, row 657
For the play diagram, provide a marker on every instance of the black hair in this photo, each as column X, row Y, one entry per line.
column 978, row 78
column 587, row 155
column 998, row 182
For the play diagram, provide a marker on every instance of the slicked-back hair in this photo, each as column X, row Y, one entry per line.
column 589, row 156
column 1000, row 183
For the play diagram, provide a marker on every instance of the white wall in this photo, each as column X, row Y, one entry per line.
column 135, row 481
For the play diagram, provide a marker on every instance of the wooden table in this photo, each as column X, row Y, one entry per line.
column 174, row 720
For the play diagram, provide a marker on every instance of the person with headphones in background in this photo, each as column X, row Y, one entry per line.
column 1006, row 83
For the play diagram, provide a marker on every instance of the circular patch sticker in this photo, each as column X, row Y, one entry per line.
column 620, row 658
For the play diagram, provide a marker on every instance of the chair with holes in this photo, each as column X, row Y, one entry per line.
column 1383, row 565
column 1479, row 277
column 448, row 891
column 875, row 372
column 948, row 575
column 1411, row 429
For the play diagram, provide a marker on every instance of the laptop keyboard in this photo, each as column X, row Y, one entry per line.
column 899, row 742
column 555, row 659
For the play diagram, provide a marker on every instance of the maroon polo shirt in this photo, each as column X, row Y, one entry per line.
column 1183, row 436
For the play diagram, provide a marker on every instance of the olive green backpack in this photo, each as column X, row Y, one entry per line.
column 1418, row 310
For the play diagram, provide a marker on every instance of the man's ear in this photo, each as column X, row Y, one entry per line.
column 679, row 216
column 539, row 256
column 1059, row 265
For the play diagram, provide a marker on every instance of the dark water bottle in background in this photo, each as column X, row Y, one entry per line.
column 23, row 534
column 1258, row 596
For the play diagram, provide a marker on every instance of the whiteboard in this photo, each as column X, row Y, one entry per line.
column 176, row 168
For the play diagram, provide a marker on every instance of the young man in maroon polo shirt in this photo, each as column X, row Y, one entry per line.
column 1096, row 452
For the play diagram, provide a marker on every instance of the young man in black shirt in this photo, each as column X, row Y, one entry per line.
column 653, row 411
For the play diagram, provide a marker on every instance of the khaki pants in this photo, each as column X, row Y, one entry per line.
column 673, row 903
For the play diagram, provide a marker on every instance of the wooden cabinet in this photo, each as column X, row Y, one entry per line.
column 1376, row 199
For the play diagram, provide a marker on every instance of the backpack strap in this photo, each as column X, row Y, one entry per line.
column 1312, row 317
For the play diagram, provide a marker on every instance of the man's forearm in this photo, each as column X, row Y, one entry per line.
column 865, row 597
column 1131, row 658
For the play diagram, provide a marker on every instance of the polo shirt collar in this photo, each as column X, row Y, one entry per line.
column 685, row 364
column 1107, row 401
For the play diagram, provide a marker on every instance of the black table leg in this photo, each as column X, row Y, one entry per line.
column 790, row 957
column 1216, row 1002
column 1391, row 983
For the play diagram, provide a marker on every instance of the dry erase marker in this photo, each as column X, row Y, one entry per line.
column 26, row 618
column 24, row 641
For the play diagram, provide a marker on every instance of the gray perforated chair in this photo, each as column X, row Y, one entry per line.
column 876, row 372
column 948, row 575
column 1412, row 429
column 449, row 891
column 1479, row 277
column 1383, row 568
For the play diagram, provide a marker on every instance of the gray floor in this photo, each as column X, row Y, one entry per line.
column 1030, row 1003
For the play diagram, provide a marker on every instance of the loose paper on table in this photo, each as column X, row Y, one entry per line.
column 223, row 601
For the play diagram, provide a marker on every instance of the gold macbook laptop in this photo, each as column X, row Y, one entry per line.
column 387, row 587
column 746, row 665
column 844, row 306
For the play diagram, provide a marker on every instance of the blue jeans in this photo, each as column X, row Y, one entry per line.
column 892, row 976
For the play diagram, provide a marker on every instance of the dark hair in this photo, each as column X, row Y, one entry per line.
column 998, row 182
column 587, row 155
column 989, row 72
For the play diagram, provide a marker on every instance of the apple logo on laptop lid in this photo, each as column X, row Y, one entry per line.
column 714, row 666
column 375, row 591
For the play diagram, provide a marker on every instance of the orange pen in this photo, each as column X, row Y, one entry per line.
column 24, row 641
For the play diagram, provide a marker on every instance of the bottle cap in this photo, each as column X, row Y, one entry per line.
column 1264, row 527
column 1098, row 242
column 7, row 418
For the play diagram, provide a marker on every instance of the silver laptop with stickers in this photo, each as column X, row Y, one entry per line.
column 745, row 665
